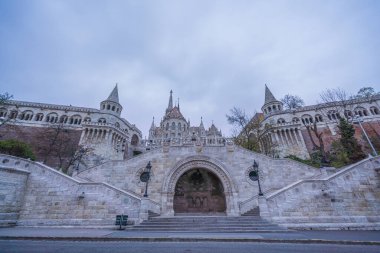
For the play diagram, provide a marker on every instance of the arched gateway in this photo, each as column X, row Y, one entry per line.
column 199, row 184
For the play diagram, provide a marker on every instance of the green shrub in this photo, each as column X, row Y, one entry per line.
column 339, row 156
column 16, row 148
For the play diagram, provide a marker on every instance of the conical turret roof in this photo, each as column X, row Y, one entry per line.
column 114, row 96
column 269, row 96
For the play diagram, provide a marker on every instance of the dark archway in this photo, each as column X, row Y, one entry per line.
column 199, row 191
column 134, row 140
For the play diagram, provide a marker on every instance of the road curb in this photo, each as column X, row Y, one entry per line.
column 179, row 239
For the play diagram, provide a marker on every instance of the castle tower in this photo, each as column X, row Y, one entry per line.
column 271, row 104
column 111, row 104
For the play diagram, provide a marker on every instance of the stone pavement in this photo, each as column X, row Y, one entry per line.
column 112, row 234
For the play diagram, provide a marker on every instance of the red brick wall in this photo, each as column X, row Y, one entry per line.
column 372, row 129
column 40, row 139
column 327, row 137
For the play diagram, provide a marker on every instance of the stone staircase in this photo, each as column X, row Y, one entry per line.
column 253, row 212
column 203, row 224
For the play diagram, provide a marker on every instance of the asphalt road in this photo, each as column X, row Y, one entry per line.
column 14, row 246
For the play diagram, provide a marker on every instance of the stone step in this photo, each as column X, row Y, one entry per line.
column 253, row 212
column 207, row 224
column 207, row 218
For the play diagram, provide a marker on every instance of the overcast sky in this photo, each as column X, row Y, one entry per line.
column 213, row 54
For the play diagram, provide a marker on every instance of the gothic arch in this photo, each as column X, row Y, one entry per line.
column 202, row 162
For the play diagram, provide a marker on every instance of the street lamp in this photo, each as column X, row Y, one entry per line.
column 358, row 120
column 145, row 176
column 255, row 176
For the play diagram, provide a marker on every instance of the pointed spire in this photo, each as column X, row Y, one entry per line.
column 170, row 106
column 269, row 96
column 114, row 96
column 201, row 125
column 178, row 105
column 152, row 126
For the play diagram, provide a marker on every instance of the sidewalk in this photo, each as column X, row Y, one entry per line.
column 111, row 234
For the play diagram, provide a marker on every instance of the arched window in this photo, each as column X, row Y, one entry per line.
column 167, row 126
column 173, row 126
column 87, row 119
column 113, row 108
column 108, row 107
column 295, row 120
column 179, row 127
column 333, row 115
column 63, row 119
column 102, row 120
column 318, row 118
column 13, row 114
column 52, row 117
column 27, row 115
column 117, row 124
column 347, row 114
column 39, row 117
column 361, row 111
column 281, row 121
column 75, row 119
column 3, row 112
column 374, row 110
column 307, row 119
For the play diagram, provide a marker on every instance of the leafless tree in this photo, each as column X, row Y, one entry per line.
column 336, row 103
column 78, row 158
column 4, row 98
column 245, row 131
column 292, row 102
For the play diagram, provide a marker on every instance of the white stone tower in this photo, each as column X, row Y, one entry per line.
column 111, row 104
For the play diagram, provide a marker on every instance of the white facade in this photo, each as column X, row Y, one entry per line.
column 283, row 131
column 174, row 129
column 110, row 136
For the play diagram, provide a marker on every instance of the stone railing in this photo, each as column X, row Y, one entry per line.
column 188, row 141
column 249, row 204
column 103, row 195
column 105, row 125
column 154, row 207
column 289, row 196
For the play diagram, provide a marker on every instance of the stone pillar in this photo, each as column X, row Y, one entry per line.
column 144, row 207
column 264, row 211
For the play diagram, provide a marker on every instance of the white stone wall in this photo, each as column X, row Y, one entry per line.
column 280, row 127
column 276, row 173
column 12, row 190
column 109, row 139
column 348, row 198
column 53, row 198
